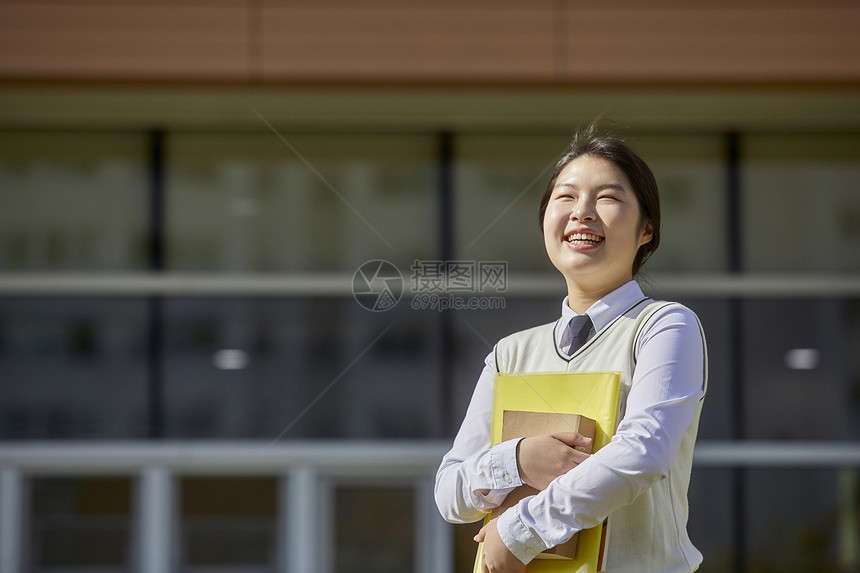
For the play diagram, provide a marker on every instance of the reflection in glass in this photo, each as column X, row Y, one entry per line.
column 374, row 529
column 73, row 368
column 81, row 522
column 690, row 175
column 73, row 200
column 250, row 202
column 320, row 367
column 797, row 520
column 498, row 181
column 712, row 521
column 477, row 331
column 228, row 521
column 786, row 403
column 801, row 202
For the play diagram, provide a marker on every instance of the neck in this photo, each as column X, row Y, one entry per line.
column 580, row 296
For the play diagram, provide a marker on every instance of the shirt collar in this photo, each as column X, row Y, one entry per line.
column 601, row 312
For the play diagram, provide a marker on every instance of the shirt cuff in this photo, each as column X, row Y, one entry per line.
column 503, row 465
column 519, row 539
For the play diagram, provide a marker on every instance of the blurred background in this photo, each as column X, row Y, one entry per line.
column 186, row 381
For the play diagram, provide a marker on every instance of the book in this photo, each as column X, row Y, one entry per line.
column 519, row 424
column 594, row 395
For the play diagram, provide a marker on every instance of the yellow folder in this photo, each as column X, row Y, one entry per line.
column 594, row 395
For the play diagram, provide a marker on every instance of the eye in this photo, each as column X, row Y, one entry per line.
column 610, row 197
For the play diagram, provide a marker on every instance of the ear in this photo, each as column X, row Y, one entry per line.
column 647, row 233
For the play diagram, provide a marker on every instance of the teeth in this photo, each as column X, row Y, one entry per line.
column 583, row 237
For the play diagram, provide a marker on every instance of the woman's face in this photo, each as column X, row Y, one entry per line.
column 592, row 227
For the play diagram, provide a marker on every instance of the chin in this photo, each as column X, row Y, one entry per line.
column 572, row 269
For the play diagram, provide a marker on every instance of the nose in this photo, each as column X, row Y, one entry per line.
column 583, row 210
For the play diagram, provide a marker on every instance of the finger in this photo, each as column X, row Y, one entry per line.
column 572, row 439
column 481, row 534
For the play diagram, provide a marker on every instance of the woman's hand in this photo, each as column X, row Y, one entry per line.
column 543, row 458
column 495, row 555
column 540, row 460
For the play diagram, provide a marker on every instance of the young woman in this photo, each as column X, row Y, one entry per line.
column 600, row 217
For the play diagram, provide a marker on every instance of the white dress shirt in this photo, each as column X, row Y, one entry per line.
column 667, row 385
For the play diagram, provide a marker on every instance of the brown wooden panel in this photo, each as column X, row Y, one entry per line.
column 136, row 40
column 389, row 41
column 409, row 41
column 613, row 42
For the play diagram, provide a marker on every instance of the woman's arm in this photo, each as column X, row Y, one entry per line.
column 667, row 385
column 474, row 478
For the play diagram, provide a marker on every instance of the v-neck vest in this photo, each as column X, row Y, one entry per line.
column 651, row 533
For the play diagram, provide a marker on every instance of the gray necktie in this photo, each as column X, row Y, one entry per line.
column 580, row 327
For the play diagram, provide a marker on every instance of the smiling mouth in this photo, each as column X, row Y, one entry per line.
column 584, row 239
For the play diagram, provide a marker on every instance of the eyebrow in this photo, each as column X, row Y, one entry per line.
column 605, row 186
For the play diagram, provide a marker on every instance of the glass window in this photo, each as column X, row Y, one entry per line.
column 465, row 548
column 374, row 529
column 260, row 202
column 229, row 521
column 712, row 522
column 73, row 368
column 477, row 331
column 296, row 368
column 801, row 372
column 718, row 418
column 690, row 174
column 73, row 200
column 801, row 202
column 801, row 520
column 81, row 524
column 498, row 182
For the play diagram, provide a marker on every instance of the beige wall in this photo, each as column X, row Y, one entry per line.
column 386, row 41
